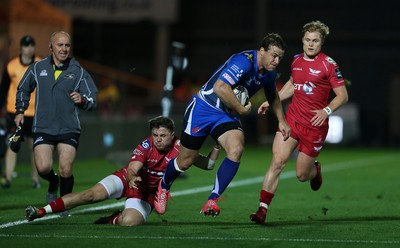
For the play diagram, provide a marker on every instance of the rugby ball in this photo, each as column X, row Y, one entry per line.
column 242, row 95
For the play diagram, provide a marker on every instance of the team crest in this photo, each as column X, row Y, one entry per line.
column 249, row 56
column 314, row 72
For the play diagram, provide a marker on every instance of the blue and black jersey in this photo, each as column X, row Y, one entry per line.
column 239, row 69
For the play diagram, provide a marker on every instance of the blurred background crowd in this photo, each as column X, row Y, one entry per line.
column 128, row 45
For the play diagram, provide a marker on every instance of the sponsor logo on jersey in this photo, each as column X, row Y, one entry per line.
column 297, row 69
column 235, row 68
column 137, row 152
column 236, row 71
column 230, row 72
column 308, row 88
column 338, row 73
column 228, row 78
column 146, row 144
column 239, row 74
column 330, row 60
column 43, row 73
column 314, row 72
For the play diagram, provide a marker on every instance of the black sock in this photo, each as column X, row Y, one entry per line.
column 53, row 180
column 66, row 185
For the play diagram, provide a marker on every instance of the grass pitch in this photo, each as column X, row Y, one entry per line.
column 357, row 206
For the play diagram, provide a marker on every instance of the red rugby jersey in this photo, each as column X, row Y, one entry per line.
column 313, row 81
column 155, row 163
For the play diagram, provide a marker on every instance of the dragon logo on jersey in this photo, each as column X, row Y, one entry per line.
column 314, row 72
column 249, row 56
column 308, row 88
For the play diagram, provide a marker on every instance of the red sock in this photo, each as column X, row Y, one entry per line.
column 114, row 221
column 266, row 197
column 41, row 212
column 57, row 205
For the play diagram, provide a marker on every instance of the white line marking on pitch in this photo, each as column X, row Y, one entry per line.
column 339, row 241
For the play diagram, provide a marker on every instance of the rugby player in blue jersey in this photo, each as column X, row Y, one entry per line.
column 215, row 111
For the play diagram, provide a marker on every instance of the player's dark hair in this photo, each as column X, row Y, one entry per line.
column 273, row 39
column 161, row 121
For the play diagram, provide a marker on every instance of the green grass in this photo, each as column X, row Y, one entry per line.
column 357, row 206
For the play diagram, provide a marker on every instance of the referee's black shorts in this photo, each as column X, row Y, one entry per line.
column 68, row 138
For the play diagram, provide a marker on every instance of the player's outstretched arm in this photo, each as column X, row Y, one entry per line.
column 133, row 172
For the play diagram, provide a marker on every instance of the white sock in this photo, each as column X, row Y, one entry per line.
column 48, row 209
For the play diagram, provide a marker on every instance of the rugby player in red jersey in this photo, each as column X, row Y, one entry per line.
column 137, row 181
column 314, row 75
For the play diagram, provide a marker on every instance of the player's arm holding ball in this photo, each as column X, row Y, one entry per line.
column 225, row 93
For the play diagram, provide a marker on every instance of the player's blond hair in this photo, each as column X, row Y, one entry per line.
column 316, row 26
